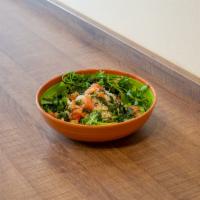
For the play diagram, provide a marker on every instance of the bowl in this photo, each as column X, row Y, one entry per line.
column 94, row 133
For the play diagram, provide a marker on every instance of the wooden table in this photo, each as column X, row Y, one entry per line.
column 161, row 161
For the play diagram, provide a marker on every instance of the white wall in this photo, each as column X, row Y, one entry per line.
column 169, row 28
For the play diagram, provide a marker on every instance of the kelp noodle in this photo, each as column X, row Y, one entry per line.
column 96, row 99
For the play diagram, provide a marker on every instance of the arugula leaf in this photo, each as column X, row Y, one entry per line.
column 144, row 88
column 54, row 91
column 93, row 118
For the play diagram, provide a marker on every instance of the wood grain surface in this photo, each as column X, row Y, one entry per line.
column 161, row 161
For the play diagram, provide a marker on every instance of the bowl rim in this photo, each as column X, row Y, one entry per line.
column 93, row 70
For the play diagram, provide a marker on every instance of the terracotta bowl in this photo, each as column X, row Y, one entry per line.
column 92, row 133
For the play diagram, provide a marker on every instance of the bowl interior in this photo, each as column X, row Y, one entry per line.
column 137, row 80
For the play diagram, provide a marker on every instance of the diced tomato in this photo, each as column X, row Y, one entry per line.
column 73, row 95
column 77, row 114
column 87, row 103
column 101, row 94
column 93, row 88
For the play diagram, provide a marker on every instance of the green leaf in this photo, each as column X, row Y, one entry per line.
column 92, row 119
column 144, row 88
column 46, row 101
column 124, row 98
column 53, row 91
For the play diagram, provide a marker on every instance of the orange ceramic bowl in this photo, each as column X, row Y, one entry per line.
column 95, row 133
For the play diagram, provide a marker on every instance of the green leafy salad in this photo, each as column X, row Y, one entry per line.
column 96, row 99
